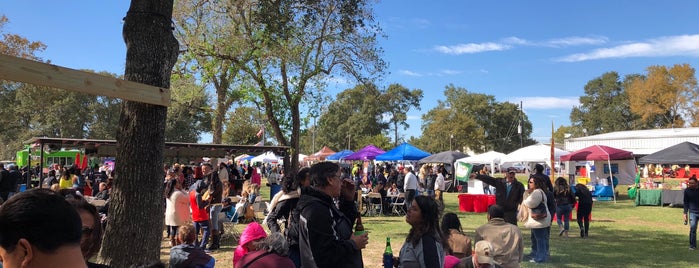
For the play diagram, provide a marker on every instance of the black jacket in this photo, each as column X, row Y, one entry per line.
column 281, row 211
column 322, row 230
column 507, row 202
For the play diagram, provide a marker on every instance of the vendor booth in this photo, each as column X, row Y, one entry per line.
column 608, row 167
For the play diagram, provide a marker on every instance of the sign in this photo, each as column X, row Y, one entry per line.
column 463, row 171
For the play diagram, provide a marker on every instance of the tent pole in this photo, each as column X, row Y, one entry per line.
column 611, row 178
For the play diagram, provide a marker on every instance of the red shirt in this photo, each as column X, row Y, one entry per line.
column 198, row 214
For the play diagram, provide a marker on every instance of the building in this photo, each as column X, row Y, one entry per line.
column 640, row 142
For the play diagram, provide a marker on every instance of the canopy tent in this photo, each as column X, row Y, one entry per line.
column 321, row 155
column 619, row 163
column 369, row 152
column 404, row 151
column 683, row 153
column 537, row 153
column 302, row 157
column 491, row 158
column 339, row 155
column 597, row 152
column 267, row 157
column 238, row 158
column 447, row 157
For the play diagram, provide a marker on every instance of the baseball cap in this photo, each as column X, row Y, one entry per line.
column 484, row 252
column 511, row 170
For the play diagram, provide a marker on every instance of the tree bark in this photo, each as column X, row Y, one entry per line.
column 134, row 232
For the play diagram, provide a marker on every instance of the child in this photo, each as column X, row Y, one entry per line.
column 187, row 254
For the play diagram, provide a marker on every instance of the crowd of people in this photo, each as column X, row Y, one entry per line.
column 311, row 221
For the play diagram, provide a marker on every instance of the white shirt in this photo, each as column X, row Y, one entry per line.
column 410, row 182
column 439, row 182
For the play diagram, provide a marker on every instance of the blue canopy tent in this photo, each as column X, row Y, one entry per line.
column 404, row 151
column 339, row 155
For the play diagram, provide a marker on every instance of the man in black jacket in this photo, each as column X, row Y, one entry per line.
column 322, row 232
column 508, row 193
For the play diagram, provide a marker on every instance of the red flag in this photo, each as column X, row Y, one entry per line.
column 262, row 131
column 553, row 155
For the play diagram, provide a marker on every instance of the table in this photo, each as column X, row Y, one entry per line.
column 478, row 203
column 673, row 197
column 649, row 197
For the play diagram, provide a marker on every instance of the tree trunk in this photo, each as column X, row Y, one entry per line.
column 134, row 231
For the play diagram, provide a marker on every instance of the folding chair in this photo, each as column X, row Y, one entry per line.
column 398, row 204
column 375, row 208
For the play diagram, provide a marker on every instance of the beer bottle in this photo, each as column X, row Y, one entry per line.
column 359, row 228
column 388, row 254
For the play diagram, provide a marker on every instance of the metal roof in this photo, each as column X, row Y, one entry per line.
column 640, row 142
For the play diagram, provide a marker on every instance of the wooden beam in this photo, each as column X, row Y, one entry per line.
column 44, row 74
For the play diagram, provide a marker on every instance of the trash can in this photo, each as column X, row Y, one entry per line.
column 274, row 189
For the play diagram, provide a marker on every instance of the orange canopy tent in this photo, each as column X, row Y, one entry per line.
column 320, row 155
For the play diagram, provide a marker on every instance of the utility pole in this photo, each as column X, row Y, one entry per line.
column 451, row 137
column 519, row 126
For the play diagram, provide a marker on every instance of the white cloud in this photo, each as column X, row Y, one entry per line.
column 544, row 103
column 409, row 73
column 515, row 40
column 472, row 48
column 509, row 42
column 576, row 41
column 450, row 72
column 681, row 45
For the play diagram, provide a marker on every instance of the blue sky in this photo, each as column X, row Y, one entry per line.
column 539, row 52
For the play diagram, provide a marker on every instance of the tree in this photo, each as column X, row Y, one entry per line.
column 666, row 97
column 134, row 216
column 244, row 123
column 352, row 117
column 604, row 107
column 398, row 100
column 13, row 132
column 476, row 121
column 188, row 115
column 212, row 52
column 296, row 45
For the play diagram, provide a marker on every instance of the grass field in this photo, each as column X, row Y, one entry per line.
column 621, row 235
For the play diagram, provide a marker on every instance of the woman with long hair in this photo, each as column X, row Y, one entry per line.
column 584, row 208
column 424, row 246
column 285, row 201
column 533, row 198
column 459, row 243
column 564, row 205
column 176, row 209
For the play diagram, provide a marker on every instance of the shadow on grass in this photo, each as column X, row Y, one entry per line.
column 611, row 247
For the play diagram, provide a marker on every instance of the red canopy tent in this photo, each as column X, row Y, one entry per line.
column 599, row 153
column 320, row 155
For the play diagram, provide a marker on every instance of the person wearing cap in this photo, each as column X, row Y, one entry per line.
column 508, row 193
column 482, row 257
column 505, row 238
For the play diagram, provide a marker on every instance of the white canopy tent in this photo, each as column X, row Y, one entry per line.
column 491, row 158
column 537, row 153
column 268, row 157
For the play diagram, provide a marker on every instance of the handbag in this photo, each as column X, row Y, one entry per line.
column 540, row 211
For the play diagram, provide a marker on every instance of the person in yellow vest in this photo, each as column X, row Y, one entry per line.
column 66, row 181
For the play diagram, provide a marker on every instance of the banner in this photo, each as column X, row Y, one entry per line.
column 463, row 171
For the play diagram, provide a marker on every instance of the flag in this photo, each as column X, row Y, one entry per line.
column 262, row 131
column 553, row 155
column 463, row 171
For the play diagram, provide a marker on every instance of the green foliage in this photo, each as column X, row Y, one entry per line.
column 398, row 100
column 604, row 107
column 189, row 115
column 475, row 121
column 243, row 126
column 352, row 116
